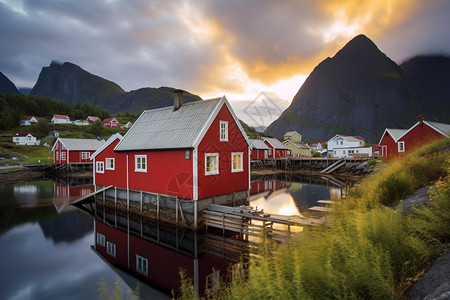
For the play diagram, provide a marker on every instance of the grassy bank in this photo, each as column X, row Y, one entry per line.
column 371, row 251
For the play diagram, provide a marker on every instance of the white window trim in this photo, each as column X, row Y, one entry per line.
column 107, row 165
column 85, row 155
column 241, row 169
column 212, row 280
column 111, row 249
column 401, row 146
column 100, row 239
column 136, row 164
column 141, row 270
column 63, row 155
column 216, row 155
column 225, row 138
column 99, row 169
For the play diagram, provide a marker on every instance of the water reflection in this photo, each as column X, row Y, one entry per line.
column 292, row 195
column 154, row 252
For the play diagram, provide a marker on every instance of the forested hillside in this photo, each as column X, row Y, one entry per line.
column 12, row 107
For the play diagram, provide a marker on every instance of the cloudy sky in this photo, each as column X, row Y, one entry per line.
column 226, row 47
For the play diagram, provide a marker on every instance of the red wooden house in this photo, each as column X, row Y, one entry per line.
column 74, row 151
column 111, row 122
column 276, row 148
column 259, row 150
column 193, row 151
column 395, row 143
column 91, row 119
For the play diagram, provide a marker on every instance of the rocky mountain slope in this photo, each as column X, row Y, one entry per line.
column 430, row 76
column 70, row 83
column 360, row 91
column 7, row 86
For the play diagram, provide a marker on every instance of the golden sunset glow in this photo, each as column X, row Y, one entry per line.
column 210, row 48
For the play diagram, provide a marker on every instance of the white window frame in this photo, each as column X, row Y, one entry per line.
column 100, row 167
column 138, row 167
column 212, row 280
column 100, row 239
column 223, row 131
column 216, row 156
column 63, row 155
column 85, row 155
column 111, row 162
column 401, row 146
column 111, row 249
column 141, row 265
column 241, row 157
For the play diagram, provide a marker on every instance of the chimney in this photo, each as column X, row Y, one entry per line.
column 421, row 118
column 177, row 99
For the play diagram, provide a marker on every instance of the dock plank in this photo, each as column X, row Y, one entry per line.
column 321, row 208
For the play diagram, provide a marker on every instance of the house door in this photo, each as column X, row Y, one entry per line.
column 384, row 151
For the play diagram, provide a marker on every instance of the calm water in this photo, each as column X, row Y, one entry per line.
column 51, row 250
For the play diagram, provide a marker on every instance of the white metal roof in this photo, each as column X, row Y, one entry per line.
column 258, row 144
column 165, row 128
column 81, row 144
column 444, row 128
column 275, row 143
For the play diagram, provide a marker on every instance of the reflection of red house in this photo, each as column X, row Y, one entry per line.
column 396, row 142
column 193, row 151
column 64, row 193
column 266, row 187
column 276, row 148
column 111, row 122
column 73, row 151
column 156, row 265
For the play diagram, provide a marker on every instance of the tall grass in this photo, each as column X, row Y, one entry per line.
column 371, row 251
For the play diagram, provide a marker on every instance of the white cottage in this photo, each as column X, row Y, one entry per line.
column 25, row 138
column 348, row 146
column 60, row 119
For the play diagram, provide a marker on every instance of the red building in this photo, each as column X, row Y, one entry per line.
column 396, row 142
column 193, row 151
column 91, row 119
column 111, row 122
column 73, row 151
column 259, row 150
column 276, row 148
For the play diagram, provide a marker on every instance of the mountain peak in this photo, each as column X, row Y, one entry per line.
column 359, row 45
column 7, row 86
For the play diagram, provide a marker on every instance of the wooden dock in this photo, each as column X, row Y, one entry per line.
column 247, row 221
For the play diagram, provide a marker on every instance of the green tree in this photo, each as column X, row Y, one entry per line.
column 41, row 129
column 96, row 128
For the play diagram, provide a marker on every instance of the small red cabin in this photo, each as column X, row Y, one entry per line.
column 73, row 151
column 192, row 151
column 396, row 142
column 111, row 122
column 259, row 150
column 276, row 148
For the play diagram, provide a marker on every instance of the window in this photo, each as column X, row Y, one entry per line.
column 109, row 163
column 236, row 162
column 111, row 249
column 342, row 142
column 224, row 131
column 211, row 163
column 141, row 265
column 187, row 155
column 140, row 163
column 84, row 155
column 100, row 167
column 100, row 239
column 212, row 280
column 401, row 146
column 63, row 155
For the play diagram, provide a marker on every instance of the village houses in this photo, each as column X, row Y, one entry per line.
column 111, row 122
column 293, row 141
column 276, row 148
column 259, row 149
